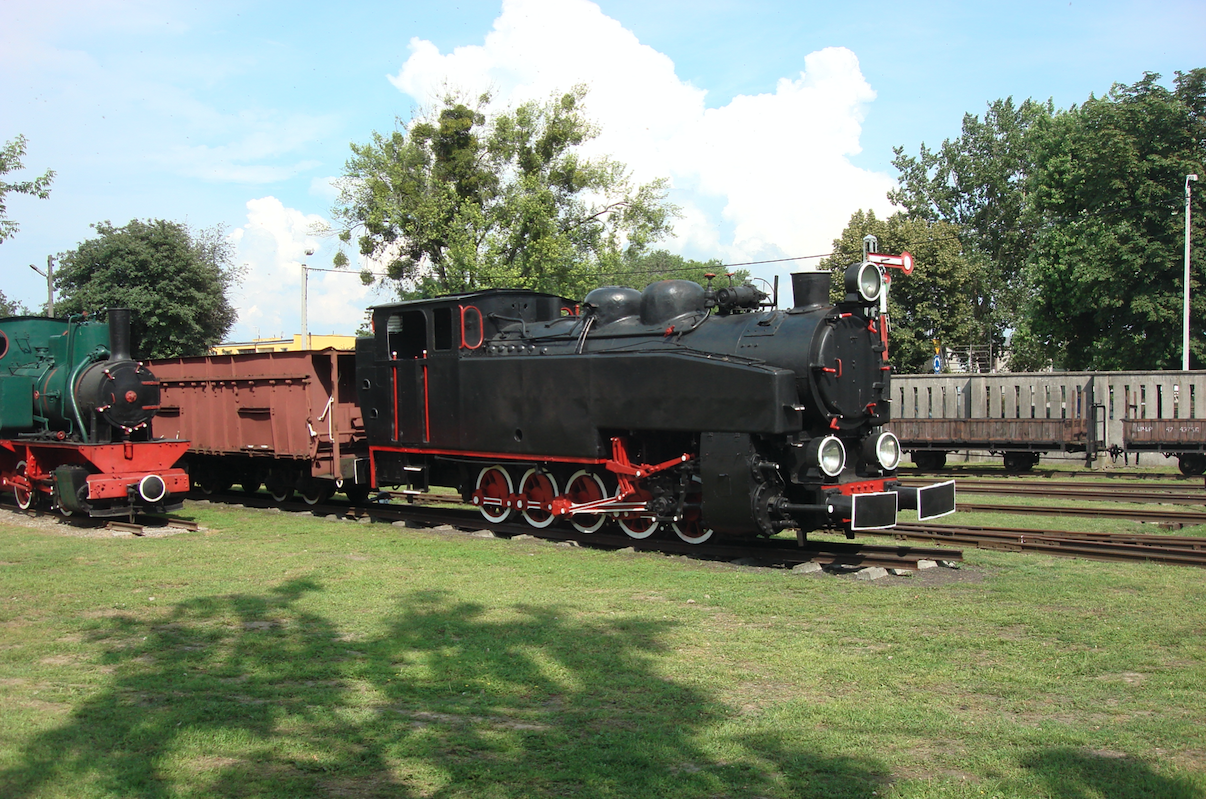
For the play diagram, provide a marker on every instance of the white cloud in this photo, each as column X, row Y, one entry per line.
column 272, row 246
column 763, row 176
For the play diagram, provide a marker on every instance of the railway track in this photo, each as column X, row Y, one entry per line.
column 1166, row 549
column 140, row 528
column 963, row 472
column 769, row 552
column 1169, row 550
column 1083, row 483
column 1172, row 517
column 1165, row 493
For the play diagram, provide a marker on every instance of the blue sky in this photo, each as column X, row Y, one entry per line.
column 774, row 121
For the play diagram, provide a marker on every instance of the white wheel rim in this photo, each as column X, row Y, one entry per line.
column 493, row 512
column 314, row 495
column 640, row 535
column 23, row 497
column 686, row 536
column 537, row 521
column 683, row 528
column 599, row 518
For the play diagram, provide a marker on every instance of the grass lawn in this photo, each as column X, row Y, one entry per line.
column 276, row 655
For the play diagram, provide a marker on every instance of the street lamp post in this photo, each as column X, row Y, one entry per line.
column 1185, row 326
column 305, row 333
column 49, row 275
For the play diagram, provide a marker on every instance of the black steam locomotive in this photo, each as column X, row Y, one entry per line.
column 704, row 410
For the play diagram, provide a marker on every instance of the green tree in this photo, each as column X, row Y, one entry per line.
column 174, row 280
column 11, row 307
column 462, row 201
column 1107, row 202
column 977, row 183
column 638, row 271
column 931, row 303
column 10, row 161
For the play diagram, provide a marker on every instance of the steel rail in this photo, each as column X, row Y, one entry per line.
column 1183, row 518
column 772, row 552
column 1090, row 493
column 1045, row 483
column 1063, row 543
column 781, row 552
column 990, row 471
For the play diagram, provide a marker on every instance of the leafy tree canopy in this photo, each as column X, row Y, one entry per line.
column 929, row 304
column 1107, row 201
column 463, row 201
column 11, row 307
column 977, row 183
column 175, row 281
column 638, row 271
column 10, row 161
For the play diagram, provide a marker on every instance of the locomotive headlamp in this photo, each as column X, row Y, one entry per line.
column 883, row 448
column 827, row 454
column 864, row 280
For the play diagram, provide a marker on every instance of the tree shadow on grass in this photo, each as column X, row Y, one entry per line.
column 253, row 695
column 1080, row 774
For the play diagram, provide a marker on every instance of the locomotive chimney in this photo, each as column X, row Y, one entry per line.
column 810, row 289
column 119, row 334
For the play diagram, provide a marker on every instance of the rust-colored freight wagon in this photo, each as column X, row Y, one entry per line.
column 1185, row 438
column 1020, row 415
column 1022, row 440
column 285, row 420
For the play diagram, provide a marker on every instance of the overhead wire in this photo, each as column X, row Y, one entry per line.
column 650, row 271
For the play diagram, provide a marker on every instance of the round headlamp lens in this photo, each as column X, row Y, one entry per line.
column 870, row 282
column 887, row 451
column 831, row 456
column 865, row 280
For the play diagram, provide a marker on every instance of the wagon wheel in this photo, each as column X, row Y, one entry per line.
column 494, row 489
column 26, row 497
column 318, row 491
column 356, row 493
column 539, row 489
column 1020, row 461
column 929, row 460
column 690, row 528
column 281, row 493
column 1191, row 464
column 207, row 482
column 280, row 485
column 586, row 487
column 250, row 487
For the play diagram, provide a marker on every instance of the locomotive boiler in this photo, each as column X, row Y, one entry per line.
column 675, row 408
column 75, row 419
